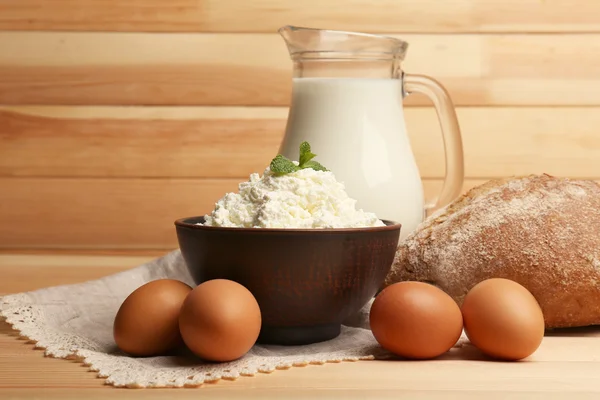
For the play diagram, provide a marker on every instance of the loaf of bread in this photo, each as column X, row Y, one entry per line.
column 540, row 231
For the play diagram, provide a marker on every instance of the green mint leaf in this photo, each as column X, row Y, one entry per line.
column 306, row 157
column 281, row 165
column 305, row 154
column 304, row 148
column 314, row 165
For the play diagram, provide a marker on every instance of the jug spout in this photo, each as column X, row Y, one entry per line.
column 321, row 43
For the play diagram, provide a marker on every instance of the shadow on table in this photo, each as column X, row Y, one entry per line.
column 587, row 331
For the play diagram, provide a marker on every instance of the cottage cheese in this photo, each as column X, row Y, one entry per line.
column 302, row 199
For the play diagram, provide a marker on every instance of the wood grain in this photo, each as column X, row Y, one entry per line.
column 232, row 142
column 56, row 253
column 456, row 16
column 56, row 275
column 22, row 260
column 119, row 213
column 298, row 393
column 254, row 69
column 109, row 213
column 125, row 142
column 34, row 271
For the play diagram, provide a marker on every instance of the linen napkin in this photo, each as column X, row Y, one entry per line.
column 76, row 321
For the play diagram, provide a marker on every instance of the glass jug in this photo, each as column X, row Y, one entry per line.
column 347, row 94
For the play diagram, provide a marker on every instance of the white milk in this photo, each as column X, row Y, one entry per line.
column 356, row 127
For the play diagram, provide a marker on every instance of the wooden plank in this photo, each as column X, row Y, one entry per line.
column 17, row 261
column 30, row 272
column 114, row 253
column 126, row 142
column 566, row 364
column 268, row 393
column 109, row 213
column 54, row 276
column 232, row 142
column 240, row 69
column 120, row 213
column 457, row 16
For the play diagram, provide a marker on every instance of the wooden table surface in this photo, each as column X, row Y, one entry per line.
column 567, row 365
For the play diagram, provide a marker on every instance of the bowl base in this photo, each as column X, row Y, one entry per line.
column 298, row 335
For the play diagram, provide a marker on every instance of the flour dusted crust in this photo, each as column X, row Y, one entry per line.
column 538, row 230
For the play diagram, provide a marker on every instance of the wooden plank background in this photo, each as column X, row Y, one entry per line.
column 119, row 116
column 92, row 68
column 424, row 16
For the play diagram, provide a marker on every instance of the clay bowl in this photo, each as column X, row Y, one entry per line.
column 306, row 281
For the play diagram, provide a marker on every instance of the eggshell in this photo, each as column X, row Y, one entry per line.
column 220, row 320
column 415, row 320
column 503, row 319
column 147, row 321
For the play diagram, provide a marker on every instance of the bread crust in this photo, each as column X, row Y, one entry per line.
column 540, row 231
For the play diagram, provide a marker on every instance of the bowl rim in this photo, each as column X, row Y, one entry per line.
column 183, row 223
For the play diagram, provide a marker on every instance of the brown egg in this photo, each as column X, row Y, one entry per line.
column 220, row 320
column 147, row 321
column 415, row 320
column 503, row 319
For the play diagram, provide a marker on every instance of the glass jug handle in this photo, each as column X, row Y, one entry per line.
column 444, row 108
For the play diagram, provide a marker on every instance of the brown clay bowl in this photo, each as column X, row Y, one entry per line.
column 306, row 281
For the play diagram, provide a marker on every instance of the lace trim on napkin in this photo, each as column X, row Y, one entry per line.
column 75, row 322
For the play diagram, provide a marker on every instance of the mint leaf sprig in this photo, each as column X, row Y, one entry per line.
column 282, row 165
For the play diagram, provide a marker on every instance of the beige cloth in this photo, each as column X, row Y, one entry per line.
column 75, row 321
